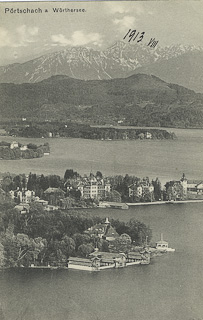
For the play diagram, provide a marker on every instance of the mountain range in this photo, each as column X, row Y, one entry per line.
column 177, row 64
column 140, row 99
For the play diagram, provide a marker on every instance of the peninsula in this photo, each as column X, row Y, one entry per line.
column 68, row 129
column 16, row 150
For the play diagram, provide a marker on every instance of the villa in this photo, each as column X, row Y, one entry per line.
column 104, row 231
column 140, row 188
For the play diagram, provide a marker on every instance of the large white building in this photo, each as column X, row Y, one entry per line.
column 24, row 196
column 94, row 189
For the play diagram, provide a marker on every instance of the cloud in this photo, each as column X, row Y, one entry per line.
column 60, row 39
column 15, row 55
column 125, row 23
column 33, row 31
column 115, row 7
column 139, row 9
column 4, row 38
column 21, row 37
column 118, row 8
column 26, row 35
column 78, row 38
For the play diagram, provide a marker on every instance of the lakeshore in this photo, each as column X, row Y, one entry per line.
column 127, row 205
column 164, row 202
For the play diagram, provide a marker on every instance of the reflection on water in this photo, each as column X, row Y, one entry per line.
column 170, row 288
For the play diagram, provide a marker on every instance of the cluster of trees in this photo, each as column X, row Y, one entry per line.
column 13, row 182
column 32, row 151
column 43, row 238
column 70, row 174
column 138, row 232
column 85, row 131
column 40, row 183
column 11, row 154
column 32, row 131
column 37, row 183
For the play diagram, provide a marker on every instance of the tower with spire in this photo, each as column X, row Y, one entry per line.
column 183, row 182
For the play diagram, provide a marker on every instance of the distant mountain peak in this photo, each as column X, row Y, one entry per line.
column 119, row 60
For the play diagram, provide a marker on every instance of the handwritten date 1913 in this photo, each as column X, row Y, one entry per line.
column 138, row 36
column 134, row 35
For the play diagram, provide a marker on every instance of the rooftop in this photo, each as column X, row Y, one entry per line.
column 194, row 181
column 53, row 190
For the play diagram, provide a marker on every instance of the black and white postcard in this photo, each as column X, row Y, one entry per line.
column 101, row 160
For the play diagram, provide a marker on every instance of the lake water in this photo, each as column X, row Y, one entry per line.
column 167, row 159
column 170, row 288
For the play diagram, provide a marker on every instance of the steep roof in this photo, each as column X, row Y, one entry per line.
column 53, row 190
column 111, row 232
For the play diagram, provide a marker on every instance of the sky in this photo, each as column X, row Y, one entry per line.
column 24, row 36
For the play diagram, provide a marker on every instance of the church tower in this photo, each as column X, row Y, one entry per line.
column 183, row 182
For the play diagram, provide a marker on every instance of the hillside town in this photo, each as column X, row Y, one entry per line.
column 94, row 191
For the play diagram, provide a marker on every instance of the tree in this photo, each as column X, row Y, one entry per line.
column 85, row 249
column 67, row 246
column 32, row 180
column 54, row 181
column 81, row 239
column 7, row 183
column 39, row 249
column 60, row 250
column 24, row 247
column 19, row 181
column 104, row 246
column 2, row 256
column 99, row 175
column 32, row 146
column 120, row 226
column 123, row 243
column 75, row 194
column 157, row 189
column 138, row 232
column 33, row 223
column 43, row 182
column 17, row 249
column 70, row 174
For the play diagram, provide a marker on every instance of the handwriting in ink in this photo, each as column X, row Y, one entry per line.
column 152, row 43
column 132, row 35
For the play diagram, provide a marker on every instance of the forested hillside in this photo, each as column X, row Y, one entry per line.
column 141, row 100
